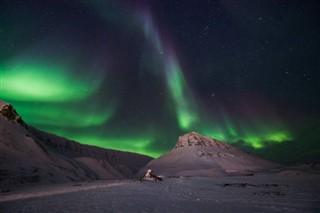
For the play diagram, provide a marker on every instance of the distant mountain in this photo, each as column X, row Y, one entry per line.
column 28, row 155
column 199, row 155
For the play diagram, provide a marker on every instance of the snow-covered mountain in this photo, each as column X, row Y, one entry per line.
column 28, row 155
column 199, row 155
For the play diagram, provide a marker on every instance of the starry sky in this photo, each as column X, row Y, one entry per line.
column 134, row 75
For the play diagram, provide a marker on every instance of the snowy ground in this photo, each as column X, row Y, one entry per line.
column 207, row 194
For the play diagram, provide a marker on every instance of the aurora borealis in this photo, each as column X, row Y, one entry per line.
column 134, row 75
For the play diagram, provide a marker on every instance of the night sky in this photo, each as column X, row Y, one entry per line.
column 134, row 75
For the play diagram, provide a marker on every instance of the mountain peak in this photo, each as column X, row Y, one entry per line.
column 196, row 139
column 199, row 155
column 7, row 111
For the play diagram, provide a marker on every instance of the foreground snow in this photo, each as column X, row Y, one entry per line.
column 219, row 194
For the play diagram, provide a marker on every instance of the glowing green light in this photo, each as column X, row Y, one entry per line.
column 134, row 144
column 279, row 137
column 254, row 141
column 231, row 129
column 217, row 136
column 256, row 136
column 186, row 114
column 258, row 140
column 185, row 109
column 63, row 116
column 186, row 118
column 176, row 81
column 36, row 81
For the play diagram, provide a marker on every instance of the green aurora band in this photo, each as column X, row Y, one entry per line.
column 185, row 109
column 186, row 114
column 133, row 144
column 25, row 80
column 63, row 115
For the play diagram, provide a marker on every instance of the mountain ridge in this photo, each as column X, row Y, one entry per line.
column 29, row 155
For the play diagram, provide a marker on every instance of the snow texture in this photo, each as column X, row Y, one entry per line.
column 195, row 194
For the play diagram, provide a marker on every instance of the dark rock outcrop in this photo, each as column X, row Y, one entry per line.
column 7, row 111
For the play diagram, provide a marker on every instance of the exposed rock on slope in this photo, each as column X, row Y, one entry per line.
column 28, row 155
column 199, row 155
column 7, row 111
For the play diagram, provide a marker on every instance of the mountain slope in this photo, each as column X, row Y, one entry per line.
column 199, row 155
column 28, row 155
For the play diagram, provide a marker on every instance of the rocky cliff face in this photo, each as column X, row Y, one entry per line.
column 7, row 111
column 196, row 139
